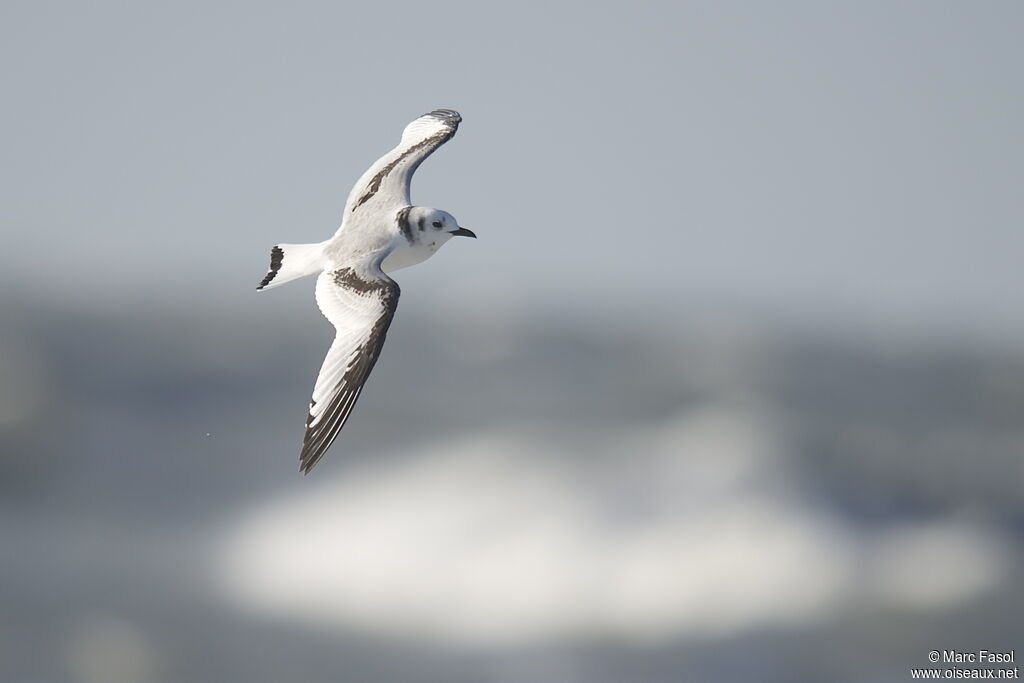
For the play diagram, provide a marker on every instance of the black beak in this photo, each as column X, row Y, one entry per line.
column 463, row 232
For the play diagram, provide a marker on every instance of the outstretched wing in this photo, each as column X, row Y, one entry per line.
column 388, row 179
column 360, row 303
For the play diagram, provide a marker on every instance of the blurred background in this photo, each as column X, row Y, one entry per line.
column 730, row 388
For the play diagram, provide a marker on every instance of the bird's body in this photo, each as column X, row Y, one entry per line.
column 381, row 232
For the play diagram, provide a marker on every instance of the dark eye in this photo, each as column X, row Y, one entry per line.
column 436, row 224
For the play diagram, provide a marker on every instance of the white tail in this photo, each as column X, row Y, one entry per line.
column 291, row 261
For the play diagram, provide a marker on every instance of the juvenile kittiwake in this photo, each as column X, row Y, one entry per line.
column 380, row 232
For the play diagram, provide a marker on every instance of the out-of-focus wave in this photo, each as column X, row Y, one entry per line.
column 514, row 487
column 688, row 527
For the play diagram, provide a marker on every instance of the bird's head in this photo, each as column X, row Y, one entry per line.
column 433, row 227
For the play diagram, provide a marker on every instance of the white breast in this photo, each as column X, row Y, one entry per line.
column 406, row 255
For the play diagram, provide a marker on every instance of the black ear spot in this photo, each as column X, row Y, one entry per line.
column 436, row 224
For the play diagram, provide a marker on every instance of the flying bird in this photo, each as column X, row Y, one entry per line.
column 380, row 232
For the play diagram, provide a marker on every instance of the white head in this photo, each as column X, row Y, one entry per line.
column 424, row 231
column 431, row 228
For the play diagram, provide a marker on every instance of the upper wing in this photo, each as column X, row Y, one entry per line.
column 360, row 303
column 388, row 179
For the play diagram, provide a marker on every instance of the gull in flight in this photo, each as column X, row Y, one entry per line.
column 380, row 232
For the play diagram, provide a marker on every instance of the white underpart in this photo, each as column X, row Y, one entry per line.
column 406, row 255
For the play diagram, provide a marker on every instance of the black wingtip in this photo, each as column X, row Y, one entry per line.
column 306, row 463
column 308, row 460
column 309, row 456
column 313, row 451
column 449, row 115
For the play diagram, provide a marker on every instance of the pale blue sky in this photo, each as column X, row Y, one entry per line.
column 835, row 160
